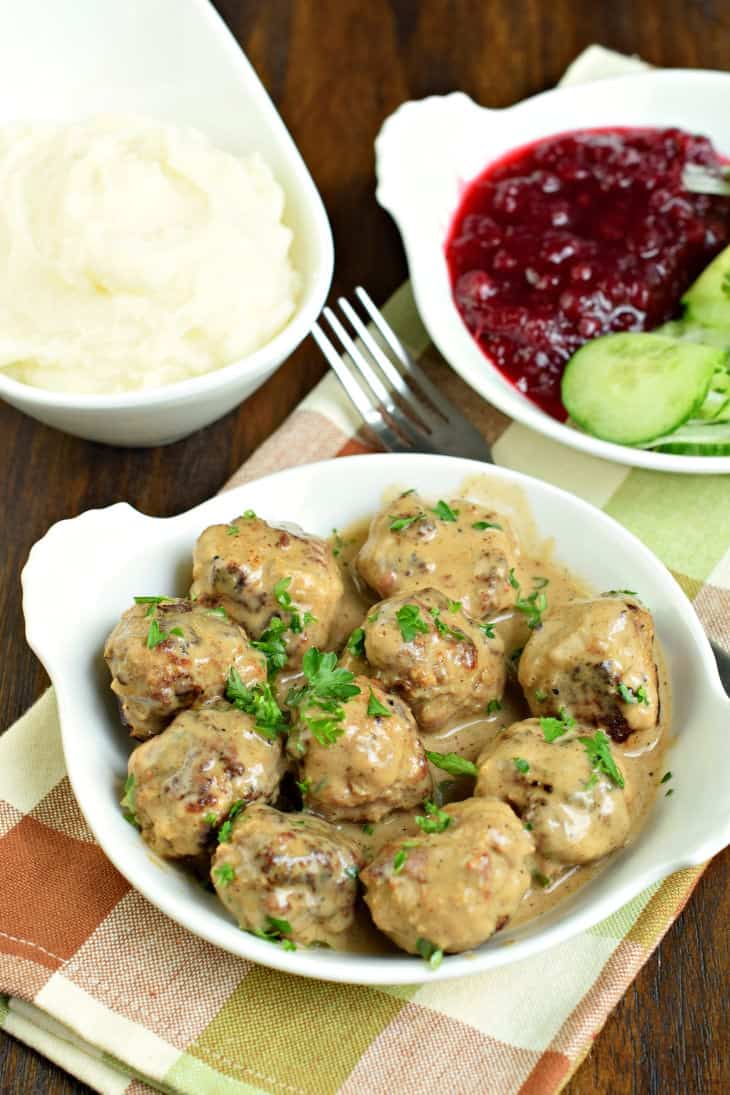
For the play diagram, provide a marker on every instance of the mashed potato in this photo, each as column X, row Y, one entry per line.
column 135, row 254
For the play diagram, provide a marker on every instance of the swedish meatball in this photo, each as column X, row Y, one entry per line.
column 290, row 867
column 186, row 779
column 467, row 553
column 453, row 888
column 428, row 650
column 575, row 810
column 257, row 572
column 175, row 657
column 375, row 765
column 596, row 660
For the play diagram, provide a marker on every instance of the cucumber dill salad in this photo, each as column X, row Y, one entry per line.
column 666, row 390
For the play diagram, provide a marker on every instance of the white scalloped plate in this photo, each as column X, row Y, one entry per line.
column 84, row 572
column 428, row 151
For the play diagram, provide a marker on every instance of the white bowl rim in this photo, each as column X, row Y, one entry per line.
column 341, row 966
column 283, row 343
column 487, row 381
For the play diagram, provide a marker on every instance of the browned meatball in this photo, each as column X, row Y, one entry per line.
column 287, row 867
column 595, row 659
column 467, row 553
column 452, row 889
column 184, row 781
column 376, row 763
column 177, row 656
column 425, row 648
column 257, row 572
column 575, row 811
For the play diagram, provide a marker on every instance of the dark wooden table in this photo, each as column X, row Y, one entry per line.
column 335, row 69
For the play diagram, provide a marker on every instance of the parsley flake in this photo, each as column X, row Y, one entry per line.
column 272, row 645
column 368, row 828
column 540, row 696
column 539, row 582
column 304, row 786
column 666, row 777
column 224, row 833
column 411, row 622
column 398, row 524
column 281, row 596
column 521, row 765
column 629, row 695
column 376, row 709
column 430, row 953
column 444, row 511
column 259, row 702
column 276, row 931
column 224, row 874
column 128, row 804
column 513, row 579
column 493, row 707
column 233, row 530
column 399, row 860
column 444, row 629
column 219, row 611
column 599, row 753
column 552, row 729
column 481, row 526
column 339, row 543
column 452, row 763
column 541, row 879
column 327, row 686
column 356, row 643
column 436, row 820
column 488, row 629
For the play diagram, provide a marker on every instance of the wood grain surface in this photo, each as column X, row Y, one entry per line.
column 335, row 69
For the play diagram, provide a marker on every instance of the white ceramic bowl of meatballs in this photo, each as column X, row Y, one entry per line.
column 431, row 734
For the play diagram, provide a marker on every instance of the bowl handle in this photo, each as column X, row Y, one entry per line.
column 416, row 152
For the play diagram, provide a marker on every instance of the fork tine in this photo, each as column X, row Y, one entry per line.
column 373, row 419
column 413, row 370
column 386, row 365
column 410, row 432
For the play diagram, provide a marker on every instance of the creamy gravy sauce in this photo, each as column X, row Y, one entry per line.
column 641, row 757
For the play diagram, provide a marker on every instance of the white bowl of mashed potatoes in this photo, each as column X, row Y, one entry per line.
column 156, row 266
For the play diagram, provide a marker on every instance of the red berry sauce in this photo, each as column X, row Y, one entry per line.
column 577, row 235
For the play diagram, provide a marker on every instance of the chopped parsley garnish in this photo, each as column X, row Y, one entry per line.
column 430, row 953
column 632, row 696
column 224, row 874
column 376, row 709
column 281, row 596
column 410, row 622
column 224, row 833
column 128, row 804
column 454, row 606
column 480, row 526
column 528, row 826
column 436, row 819
column 411, row 490
column 259, row 702
column 368, row 828
column 666, row 777
column 373, row 617
column 539, row 582
column 211, row 819
column 493, row 707
column 521, row 765
column 153, row 602
column 541, row 879
column 233, row 530
column 620, row 593
column 276, row 931
column 669, row 792
column 540, row 696
column 453, row 763
column 356, row 643
column 599, row 753
column 339, row 543
column 327, row 686
column 219, row 611
column 398, row 524
column 444, row 629
column 444, row 511
column 533, row 606
column 156, row 635
column 552, row 729
column 272, row 645
column 249, row 515
column 304, row 786
column 399, row 860
column 488, row 629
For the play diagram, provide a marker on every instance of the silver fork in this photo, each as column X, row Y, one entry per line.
column 392, row 393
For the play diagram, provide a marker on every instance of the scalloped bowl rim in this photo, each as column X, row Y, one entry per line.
column 67, row 621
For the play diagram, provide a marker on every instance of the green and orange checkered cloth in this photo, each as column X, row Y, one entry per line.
column 101, row 982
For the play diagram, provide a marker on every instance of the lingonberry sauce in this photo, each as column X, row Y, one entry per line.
column 577, row 235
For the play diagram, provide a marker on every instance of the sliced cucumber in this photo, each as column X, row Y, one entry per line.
column 696, row 438
column 686, row 330
column 632, row 388
column 707, row 301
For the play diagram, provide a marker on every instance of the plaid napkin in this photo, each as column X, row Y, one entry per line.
column 102, row 983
